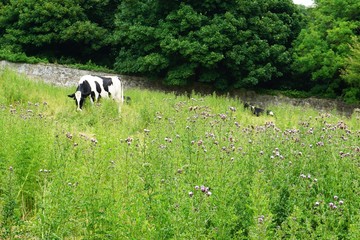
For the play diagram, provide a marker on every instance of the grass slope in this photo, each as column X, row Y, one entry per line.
column 172, row 167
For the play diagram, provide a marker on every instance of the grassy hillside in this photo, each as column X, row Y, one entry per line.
column 172, row 167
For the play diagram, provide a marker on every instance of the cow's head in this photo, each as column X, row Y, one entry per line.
column 79, row 98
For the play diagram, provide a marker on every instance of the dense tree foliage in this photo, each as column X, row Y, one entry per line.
column 58, row 29
column 323, row 46
column 351, row 74
column 226, row 43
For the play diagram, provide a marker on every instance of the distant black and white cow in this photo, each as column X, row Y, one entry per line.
column 98, row 87
column 258, row 111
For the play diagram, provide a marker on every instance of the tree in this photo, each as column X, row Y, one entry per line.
column 322, row 47
column 225, row 43
column 351, row 74
column 55, row 29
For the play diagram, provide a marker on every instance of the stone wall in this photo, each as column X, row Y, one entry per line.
column 65, row 76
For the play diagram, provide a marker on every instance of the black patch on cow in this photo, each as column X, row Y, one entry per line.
column 257, row 111
column 247, row 105
column 84, row 88
column 98, row 88
column 106, row 83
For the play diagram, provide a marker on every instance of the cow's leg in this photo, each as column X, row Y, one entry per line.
column 93, row 97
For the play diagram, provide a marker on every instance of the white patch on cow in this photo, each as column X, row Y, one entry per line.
column 78, row 98
column 116, row 90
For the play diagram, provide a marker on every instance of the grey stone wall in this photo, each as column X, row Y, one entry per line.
column 65, row 76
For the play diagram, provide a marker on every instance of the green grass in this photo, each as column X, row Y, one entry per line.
column 101, row 174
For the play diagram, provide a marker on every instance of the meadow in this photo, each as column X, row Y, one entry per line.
column 172, row 167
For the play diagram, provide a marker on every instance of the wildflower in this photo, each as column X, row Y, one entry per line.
column 315, row 180
column 11, row 169
column 208, row 193
column 129, row 140
column 261, row 152
column 222, row 116
column 317, row 204
column 69, row 135
column 341, row 202
column 331, row 205
column 203, row 189
column 261, row 219
column 232, row 109
column 200, row 142
column 197, row 187
column 191, row 194
column 146, row 130
column 336, row 198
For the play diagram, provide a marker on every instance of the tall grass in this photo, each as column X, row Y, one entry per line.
column 172, row 167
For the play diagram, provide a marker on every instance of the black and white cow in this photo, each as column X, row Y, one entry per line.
column 258, row 111
column 97, row 87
